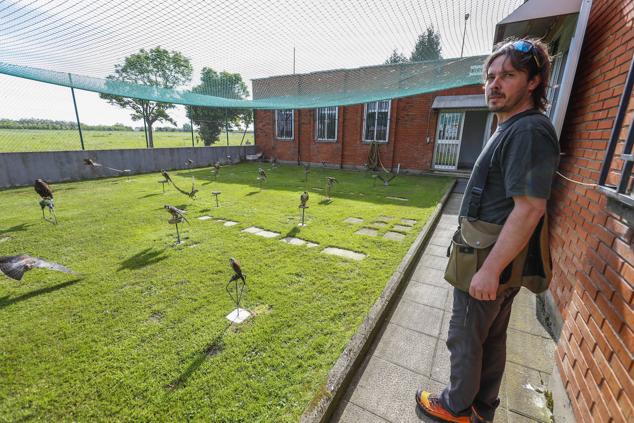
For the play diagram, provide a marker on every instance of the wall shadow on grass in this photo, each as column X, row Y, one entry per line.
column 7, row 301
column 210, row 350
column 142, row 259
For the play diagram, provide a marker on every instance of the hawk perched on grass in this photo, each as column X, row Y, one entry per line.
column 15, row 266
column 45, row 191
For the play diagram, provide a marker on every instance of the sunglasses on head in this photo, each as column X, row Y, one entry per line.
column 524, row 46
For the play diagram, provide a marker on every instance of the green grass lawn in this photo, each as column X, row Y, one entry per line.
column 14, row 140
column 141, row 334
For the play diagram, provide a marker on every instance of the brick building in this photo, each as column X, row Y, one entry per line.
column 590, row 302
column 592, row 228
column 406, row 128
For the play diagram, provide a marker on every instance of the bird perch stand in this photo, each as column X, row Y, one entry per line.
column 176, row 221
column 238, row 315
column 216, row 194
column 303, row 208
column 163, row 182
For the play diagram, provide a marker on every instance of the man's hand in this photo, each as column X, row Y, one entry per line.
column 484, row 285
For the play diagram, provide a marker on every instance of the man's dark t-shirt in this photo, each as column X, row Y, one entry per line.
column 523, row 164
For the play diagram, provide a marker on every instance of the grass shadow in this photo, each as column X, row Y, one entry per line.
column 251, row 193
column 142, row 259
column 7, row 301
column 213, row 348
column 326, row 201
column 293, row 232
column 17, row 228
column 150, row 195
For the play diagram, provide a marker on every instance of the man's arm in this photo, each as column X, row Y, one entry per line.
column 516, row 233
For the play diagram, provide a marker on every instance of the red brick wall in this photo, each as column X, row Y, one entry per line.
column 591, row 247
column 411, row 122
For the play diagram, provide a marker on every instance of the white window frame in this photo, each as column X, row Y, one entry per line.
column 336, row 121
column 365, row 117
column 292, row 124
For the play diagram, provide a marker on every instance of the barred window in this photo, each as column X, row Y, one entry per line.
column 327, row 123
column 284, row 124
column 615, row 179
column 377, row 121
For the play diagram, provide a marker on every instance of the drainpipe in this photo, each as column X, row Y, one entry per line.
column 298, row 127
column 340, row 133
column 395, row 126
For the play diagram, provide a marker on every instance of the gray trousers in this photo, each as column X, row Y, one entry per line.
column 477, row 347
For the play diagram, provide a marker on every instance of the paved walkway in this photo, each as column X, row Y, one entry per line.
column 410, row 351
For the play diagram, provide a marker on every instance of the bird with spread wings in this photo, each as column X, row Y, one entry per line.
column 15, row 267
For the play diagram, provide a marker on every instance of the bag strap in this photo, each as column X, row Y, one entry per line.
column 479, row 183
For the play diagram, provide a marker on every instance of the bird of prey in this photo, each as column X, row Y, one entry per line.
column 194, row 191
column 90, row 162
column 189, row 162
column 303, row 199
column 190, row 194
column 262, row 173
column 177, row 214
column 331, row 180
column 166, row 175
column 217, row 165
column 15, row 266
column 323, row 163
column 235, row 265
column 43, row 189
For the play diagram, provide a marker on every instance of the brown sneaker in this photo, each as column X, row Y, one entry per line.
column 431, row 405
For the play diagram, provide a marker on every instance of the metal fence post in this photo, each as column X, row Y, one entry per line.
column 72, row 91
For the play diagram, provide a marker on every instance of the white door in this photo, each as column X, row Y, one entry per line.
column 448, row 137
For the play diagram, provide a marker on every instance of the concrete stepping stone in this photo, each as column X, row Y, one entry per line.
column 267, row 234
column 252, row 230
column 340, row 252
column 397, row 198
column 230, row 223
column 367, row 231
column 379, row 223
column 298, row 241
column 383, row 219
column 407, row 222
column 293, row 241
column 5, row 239
column 402, row 228
column 204, row 217
column 353, row 220
column 394, row 236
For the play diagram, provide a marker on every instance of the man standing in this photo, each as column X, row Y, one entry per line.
column 519, row 162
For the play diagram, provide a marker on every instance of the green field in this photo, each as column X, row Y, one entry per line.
column 140, row 334
column 14, row 140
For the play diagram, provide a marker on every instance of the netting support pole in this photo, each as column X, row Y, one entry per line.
column 72, row 91
column 147, row 142
column 191, row 124
column 226, row 127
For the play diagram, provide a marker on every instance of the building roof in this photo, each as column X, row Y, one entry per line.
column 360, row 85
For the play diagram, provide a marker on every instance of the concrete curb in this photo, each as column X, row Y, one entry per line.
column 326, row 401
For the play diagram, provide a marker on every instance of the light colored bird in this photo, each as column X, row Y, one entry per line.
column 304, row 199
column 189, row 162
column 262, row 173
column 166, row 175
column 176, row 213
column 90, row 162
column 331, row 180
column 15, row 266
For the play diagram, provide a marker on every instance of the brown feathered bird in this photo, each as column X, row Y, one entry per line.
column 303, row 199
column 176, row 213
column 166, row 175
column 43, row 190
column 15, row 266
column 235, row 265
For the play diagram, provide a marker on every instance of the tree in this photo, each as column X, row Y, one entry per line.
column 396, row 57
column 211, row 120
column 427, row 46
column 157, row 67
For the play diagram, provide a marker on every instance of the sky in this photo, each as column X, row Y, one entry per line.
column 253, row 38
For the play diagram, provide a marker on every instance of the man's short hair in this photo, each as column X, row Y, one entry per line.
column 534, row 61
